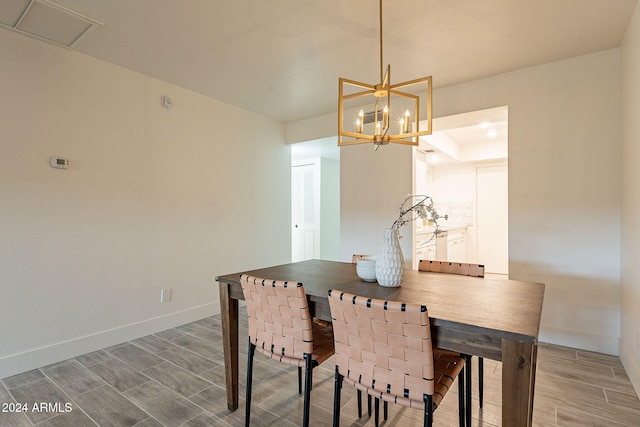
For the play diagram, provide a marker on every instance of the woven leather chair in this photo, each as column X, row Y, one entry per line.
column 384, row 349
column 354, row 260
column 463, row 269
column 280, row 327
column 356, row 257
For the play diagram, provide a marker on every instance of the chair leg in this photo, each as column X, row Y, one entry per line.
column 299, row 380
column 369, row 404
column 480, row 379
column 467, row 369
column 251, row 351
column 461, row 399
column 385, row 410
column 377, row 412
column 308, row 371
column 428, row 410
column 359, row 403
column 337, row 390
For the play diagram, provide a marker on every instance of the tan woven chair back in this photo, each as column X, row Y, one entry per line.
column 279, row 319
column 383, row 347
column 356, row 257
column 461, row 268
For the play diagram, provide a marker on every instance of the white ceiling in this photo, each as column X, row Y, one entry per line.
column 468, row 137
column 282, row 58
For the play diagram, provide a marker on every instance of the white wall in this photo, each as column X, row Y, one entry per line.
column 330, row 209
column 564, row 188
column 153, row 199
column 630, row 280
column 372, row 186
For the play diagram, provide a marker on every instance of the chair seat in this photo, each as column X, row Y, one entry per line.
column 448, row 366
column 322, row 347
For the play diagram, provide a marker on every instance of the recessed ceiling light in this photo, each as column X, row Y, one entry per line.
column 492, row 133
column 484, row 125
column 433, row 157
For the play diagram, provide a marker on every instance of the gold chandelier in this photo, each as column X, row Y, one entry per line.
column 369, row 115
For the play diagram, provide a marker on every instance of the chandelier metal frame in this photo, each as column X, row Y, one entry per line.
column 381, row 95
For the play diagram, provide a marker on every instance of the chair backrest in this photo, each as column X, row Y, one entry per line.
column 383, row 345
column 355, row 258
column 461, row 268
column 279, row 319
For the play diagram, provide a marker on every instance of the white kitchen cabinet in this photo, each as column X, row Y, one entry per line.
column 456, row 245
column 431, row 248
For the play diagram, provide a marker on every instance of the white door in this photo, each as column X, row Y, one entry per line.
column 493, row 219
column 305, row 212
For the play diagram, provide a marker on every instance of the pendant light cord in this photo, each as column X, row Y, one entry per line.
column 381, row 65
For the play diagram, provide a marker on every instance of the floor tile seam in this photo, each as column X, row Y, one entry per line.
column 146, row 349
column 71, row 398
column 131, row 401
column 138, row 371
column 199, row 325
column 148, row 418
column 204, row 411
column 129, row 364
column 96, row 363
column 587, row 354
column 190, row 351
column 576, row 381
column 82, row 366
column 186, row 370
column 599, row 368
column 618, row 409
column 23, row 384
column 201, row 339
column 177, row 397
column 60, row 415
column 631, row 393
column 199, row 375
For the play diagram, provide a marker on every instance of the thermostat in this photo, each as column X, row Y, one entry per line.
column 59, row 162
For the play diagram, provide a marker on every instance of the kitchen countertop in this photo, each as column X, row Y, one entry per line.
column 452, row 227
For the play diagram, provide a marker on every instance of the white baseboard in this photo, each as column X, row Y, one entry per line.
column 630, row 366
column 583, row 340
column 39, row 357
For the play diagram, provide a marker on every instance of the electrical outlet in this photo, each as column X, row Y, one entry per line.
column 165, row 295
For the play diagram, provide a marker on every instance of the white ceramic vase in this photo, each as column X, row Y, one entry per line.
column 390, row 262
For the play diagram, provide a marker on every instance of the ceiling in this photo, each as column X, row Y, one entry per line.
column 282, row 58
column 474, row 136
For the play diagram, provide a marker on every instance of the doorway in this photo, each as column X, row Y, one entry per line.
column 305, row 210
column 315, row 200
column 466, row 161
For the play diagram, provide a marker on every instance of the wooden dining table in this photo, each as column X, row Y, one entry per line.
column 496, row 319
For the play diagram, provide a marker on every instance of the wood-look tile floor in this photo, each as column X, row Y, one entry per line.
column 176, row 378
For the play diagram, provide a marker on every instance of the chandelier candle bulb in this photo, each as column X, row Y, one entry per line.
column 407, row 120
column 360, row 122
column 385, row 117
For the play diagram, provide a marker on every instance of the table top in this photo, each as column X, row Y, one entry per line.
column 508, row 309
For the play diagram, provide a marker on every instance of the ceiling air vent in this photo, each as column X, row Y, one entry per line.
column 370, row 117
column 47, row 21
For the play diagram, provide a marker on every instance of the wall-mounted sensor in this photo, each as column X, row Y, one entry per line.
column 166, row 103
column 59, row 162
